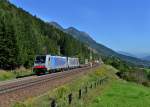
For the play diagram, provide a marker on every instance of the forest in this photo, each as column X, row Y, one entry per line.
column 22, row 36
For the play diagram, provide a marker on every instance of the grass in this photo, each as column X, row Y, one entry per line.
column 114, row 93
column 61, row 93
column 123, row 94
column 4, row 75
column 22, row 72
column 8, row 75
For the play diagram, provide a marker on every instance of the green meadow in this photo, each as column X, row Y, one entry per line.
column 122, row 94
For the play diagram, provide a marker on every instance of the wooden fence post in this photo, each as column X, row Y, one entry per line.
column 80, row 94
column 95, row 84
column 91, row 86
column 70, row 98
column 53, row 103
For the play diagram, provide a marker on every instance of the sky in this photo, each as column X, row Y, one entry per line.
column 122, row 25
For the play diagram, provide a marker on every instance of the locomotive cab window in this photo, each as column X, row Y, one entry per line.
column 40, row 59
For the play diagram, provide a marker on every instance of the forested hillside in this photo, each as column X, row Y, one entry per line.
column 22, row 36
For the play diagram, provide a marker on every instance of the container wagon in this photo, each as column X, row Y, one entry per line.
column 73, row 62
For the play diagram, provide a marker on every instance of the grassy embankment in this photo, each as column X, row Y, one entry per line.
column 61, row 93
column 8, row 75
column 114, row 93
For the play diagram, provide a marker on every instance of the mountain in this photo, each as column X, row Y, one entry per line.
column 127, row 54
column 86, row 38
column 101, row 49
column 80, row 35
column 147, row 58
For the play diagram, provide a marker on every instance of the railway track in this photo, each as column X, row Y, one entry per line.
column 14, row 88
column 23, row 84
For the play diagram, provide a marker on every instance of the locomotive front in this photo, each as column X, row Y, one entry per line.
column 40, row 65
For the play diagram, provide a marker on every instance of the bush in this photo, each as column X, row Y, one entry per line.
column 4, row 75
column 140, row 77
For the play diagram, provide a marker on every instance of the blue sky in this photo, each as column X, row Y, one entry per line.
column 123, row 25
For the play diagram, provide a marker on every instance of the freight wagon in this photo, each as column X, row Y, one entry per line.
column 73, row 62
column 47, row 63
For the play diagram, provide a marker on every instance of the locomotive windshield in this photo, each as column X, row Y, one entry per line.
column 40, row 59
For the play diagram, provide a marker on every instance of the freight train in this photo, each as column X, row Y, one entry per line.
column 47, row 63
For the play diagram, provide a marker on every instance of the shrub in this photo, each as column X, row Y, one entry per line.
column 4, row 75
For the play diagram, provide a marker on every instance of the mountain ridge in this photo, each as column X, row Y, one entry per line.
column 100, row 48
column 127, row 54
column 147, row 58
